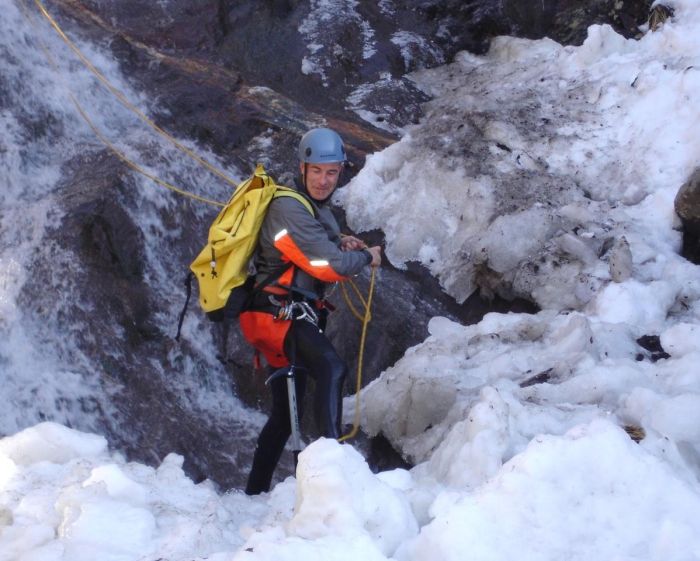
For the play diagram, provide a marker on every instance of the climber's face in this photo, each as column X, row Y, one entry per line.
column 321, row 179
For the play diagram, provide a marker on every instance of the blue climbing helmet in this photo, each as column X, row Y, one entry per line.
column 321, row 146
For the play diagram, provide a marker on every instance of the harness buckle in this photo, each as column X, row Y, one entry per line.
column 290, row 310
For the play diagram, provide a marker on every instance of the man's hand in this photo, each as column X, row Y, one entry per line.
column 376, row 252
column 351, row 243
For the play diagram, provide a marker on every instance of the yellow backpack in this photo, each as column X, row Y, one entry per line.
column 223, row 263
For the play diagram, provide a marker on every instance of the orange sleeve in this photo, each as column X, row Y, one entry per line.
column 317, row 268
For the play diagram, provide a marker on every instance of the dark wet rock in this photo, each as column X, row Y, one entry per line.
column 195, row 56
column 567, row 21
column 91, row 288
column 194, row 25
column 658, row 15
column 659, row 356
column 382, row 456
column 541, row 378
column 652, row 344
column 687, row 205
column 620, row 260
column 392, row 102
column 635, row 432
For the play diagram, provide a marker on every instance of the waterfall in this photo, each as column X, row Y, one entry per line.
column 92, row 258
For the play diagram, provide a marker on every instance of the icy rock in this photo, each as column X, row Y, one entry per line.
column 634, row 303
column 687, row 203
column 337, row 494
column 82, row 530
column 421, row 390
column 571, row 335
column 51, row 442
column 677, row 418
column 511, row 238
column 620, row 260
column 681, row 339
column 117, row 483
column 687, row 206
column 474, row 448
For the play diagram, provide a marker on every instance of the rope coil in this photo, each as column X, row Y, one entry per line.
column 366, row 318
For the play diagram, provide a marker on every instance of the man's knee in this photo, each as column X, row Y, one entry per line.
column 335, row 368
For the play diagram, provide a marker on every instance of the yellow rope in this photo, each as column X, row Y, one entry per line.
column 135, row 166
column 349, row 302
column 358, row 387
column 104, row 139
column 122, row 98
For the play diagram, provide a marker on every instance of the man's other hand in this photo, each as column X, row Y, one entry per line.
column 376, row 252
column 351, row 243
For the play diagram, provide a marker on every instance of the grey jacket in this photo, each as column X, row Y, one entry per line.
column 312, row 243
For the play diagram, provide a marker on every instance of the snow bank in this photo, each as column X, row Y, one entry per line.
column 534, row 161
column 591, row 494
column 342, row 510
column 64, row 497
column 50, row 442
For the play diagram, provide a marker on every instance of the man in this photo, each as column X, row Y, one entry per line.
column 311, row 245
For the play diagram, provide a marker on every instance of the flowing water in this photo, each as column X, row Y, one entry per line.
column 75, row 226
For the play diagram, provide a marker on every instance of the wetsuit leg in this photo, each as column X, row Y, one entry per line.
column 313, row 351
column 274, row 434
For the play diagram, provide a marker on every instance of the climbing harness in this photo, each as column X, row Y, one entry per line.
column 298, row 311
column 303, row 311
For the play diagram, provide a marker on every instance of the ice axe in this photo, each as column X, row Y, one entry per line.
column 288, row 373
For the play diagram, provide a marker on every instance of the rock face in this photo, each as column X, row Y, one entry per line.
column 101, row 309
column 687, row 206
column 314, row 53
column 566, row 21
column 244, row 80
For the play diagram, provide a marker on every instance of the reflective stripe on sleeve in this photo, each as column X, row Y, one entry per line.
column 317, row 268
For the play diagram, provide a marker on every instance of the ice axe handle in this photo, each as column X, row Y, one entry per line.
column 293, row 415
column 293, row 409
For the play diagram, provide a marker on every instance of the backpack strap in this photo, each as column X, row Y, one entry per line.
column 294, row 194
column 188, row 287
column 273, row 276
column 283, row 191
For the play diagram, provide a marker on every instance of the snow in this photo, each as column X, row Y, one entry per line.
column 553, row 502
column 409, row 42
column 558, row 150
column 323, row 29
column 516, row 425
column 64, row 496
column 377, row 520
